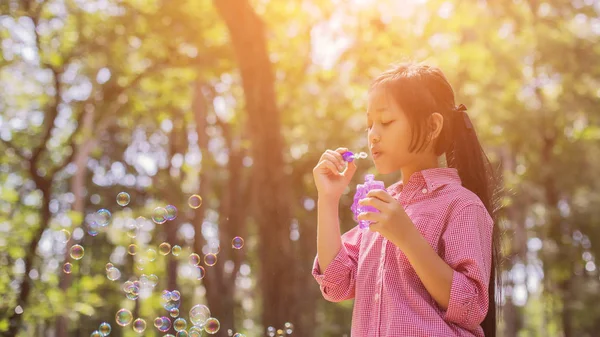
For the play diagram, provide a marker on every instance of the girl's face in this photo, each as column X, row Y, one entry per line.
column 389, row 133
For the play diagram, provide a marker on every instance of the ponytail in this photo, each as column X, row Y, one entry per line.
column 477, row 174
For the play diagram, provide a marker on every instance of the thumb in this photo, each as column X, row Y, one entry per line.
column 350, row 170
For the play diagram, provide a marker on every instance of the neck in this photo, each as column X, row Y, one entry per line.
column 408, row 171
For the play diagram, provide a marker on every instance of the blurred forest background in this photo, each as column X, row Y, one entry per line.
column 235, row 100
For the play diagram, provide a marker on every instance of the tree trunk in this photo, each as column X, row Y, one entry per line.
column 272, row 212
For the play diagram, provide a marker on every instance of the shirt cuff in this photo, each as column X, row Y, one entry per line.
column 462, row 300
column 337, row 270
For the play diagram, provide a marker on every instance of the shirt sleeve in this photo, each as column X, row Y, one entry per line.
column 337, row 281
column 467, row 248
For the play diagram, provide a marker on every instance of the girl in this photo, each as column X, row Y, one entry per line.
column 427, row 264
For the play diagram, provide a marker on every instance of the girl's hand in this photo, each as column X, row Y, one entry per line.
column 329, row 174
column 391, row 219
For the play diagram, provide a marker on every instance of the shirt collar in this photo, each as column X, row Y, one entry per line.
column 433, row 179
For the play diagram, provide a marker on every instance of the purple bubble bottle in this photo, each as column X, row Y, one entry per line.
column 361, row 192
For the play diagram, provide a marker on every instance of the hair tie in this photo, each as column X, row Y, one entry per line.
column 462, row 109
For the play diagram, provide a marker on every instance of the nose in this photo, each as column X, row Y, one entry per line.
column 374, row 136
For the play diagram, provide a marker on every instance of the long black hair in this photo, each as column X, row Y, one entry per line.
column 421, row 90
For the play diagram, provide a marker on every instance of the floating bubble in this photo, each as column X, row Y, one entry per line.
column 96, row 333
column 139, row 325
column 180, row 324
column 171, row 212
column 280, row 333
column 105, row 329
column 143, row 223
column 159, row 215
column 123, row 317
column 132, row 228
column 76, row 252
column 67, row 268
column 237, row 334
column 65, row 235
column 196, row 331
column 289, row 328
column 123, row 199
column 212, row 325
column 195, row 201
column 151, row 254
column 210, row 259
column 176, row 250
column 153, row 279
column 163, row 324
column 103, row 217
column 271, row 331
column 199, row 314
column 201, row 272
column 164, row 248
column 113, row 274
column 194, row 259
column 181, row 333
column 237, row 242
column 170, row 299
column 108, row 266
column 212, row 246
column 174, row 312
column 132, row 249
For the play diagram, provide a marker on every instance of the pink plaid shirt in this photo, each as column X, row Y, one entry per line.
column 389, row 298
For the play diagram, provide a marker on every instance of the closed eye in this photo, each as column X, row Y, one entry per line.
column 386, row 123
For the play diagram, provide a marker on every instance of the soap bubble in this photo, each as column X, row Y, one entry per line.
column 96, row 333
column 159, row 216
column 77, row 252
column 176, row 250
column 210, row 259
column 108, row 266
column 123, row 317
column 139, row 325
column 201, row 272
column 105, row 329
column 132, row 227
column 212, row 325
column 181, row 333
column 180, row 324
column 65, row 235
column 174, row 312
column 199, row 314
column 170, row 299
column 164, row 248
column 151, row 254
column 195, row 201
column 153, row 279
column 67, row 268
column 163, row 324
column 280, row 333
column 123, row 199
column 113, row 274
column 237, row 242
column 271, row 331
column 289, row 327
column 103, row 217
column 196, row 331
column 237, row 334
column 132, row 249
column 194, row 259
column 171, row 212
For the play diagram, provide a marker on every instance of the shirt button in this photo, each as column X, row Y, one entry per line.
column 424, row 190
column 376, row 297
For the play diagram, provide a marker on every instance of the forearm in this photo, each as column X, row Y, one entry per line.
column 433, row 271
column 329, row 241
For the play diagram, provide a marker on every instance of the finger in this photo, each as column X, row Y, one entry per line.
column 350, row 170
column 331, row 166
column 337, row 156
column 370, row 216
column 341, row 150
column 331, row 158
column 373, row 202
column 382, row 195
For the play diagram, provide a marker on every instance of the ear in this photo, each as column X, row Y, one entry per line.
column 435, row 124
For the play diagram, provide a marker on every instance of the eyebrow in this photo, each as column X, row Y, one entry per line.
column 378, row 110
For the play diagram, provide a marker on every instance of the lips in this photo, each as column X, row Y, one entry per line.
column 375, row 153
